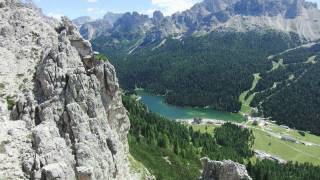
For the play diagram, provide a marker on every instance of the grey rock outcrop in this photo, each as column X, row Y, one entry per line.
column 68, row 120
column 223, row 170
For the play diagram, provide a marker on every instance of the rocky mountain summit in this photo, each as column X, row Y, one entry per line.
column 61, row 114
column 90, row 28
column 290, row 16
column 82, row 20
column 223, row 170
column 298, row 16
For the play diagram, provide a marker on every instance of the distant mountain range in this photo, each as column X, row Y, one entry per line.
column 82, row 20
column 90, row 28
column 297, row 16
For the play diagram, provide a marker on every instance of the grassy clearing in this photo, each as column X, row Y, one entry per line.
column 245, row 108
column 294, row 133
column 276, row 65
column 272, row 145
column 101, row 57
column 311, row 60
column 286, row 150
column 204, row 128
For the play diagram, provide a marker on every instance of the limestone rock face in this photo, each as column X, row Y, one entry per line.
column 67, row 119
column 225, row 170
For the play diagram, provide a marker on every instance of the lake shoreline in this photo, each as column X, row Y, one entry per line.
column 203, row 121
column 158, row 105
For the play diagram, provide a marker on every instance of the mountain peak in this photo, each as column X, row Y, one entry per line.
column 292, row 16
column 112, row 17
column 288, row 8
column 82, row 20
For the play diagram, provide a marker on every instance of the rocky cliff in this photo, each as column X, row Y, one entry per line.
column 297, row 16
column 61, row 115
column 223, row 170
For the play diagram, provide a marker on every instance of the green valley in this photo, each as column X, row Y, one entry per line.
column 172, row 151
column 210, row 70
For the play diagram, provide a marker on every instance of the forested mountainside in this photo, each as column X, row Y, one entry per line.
column 207, row 56
column 199, row 71
column 172, row 151
column 289, row 92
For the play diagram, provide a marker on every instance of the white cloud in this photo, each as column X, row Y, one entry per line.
column 171, row 6
column 95, row 11
column 92, row 1
column 91, row 10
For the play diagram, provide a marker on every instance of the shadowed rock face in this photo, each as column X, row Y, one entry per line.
column 68, row 121
column 223, row 170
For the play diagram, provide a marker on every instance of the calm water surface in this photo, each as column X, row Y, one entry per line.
column 156, row 104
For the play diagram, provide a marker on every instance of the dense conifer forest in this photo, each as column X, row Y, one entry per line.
column 215, row 69
column 172, row 151
column 198, row 71
column 290, row 93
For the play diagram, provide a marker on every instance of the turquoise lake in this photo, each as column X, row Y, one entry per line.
column 156, row 104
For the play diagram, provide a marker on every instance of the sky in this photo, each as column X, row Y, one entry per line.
column 97, row 8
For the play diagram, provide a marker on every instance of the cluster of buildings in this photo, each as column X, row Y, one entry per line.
column 200, row 121
column 263, row 155
column 288, row 138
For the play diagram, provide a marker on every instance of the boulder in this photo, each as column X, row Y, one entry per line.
column 223, row 170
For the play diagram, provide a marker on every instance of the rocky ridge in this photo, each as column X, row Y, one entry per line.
column 82, row 20
column 90, row 28
column 61, row 114
column 223, row 170
column 297, row 16
column 291, row 16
